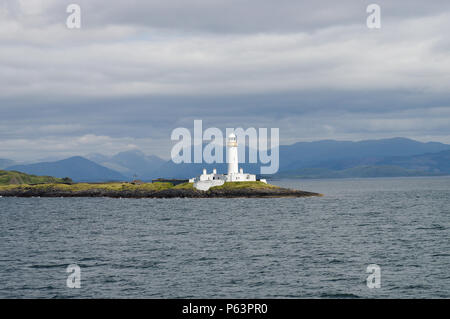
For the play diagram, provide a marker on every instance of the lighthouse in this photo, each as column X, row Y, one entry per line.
column 235, row 174
column 232, row 155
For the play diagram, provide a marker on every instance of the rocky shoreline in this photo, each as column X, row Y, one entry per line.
column 166, row 193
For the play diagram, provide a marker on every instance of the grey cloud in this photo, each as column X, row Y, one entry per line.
column 138, row 69
column 238, row 16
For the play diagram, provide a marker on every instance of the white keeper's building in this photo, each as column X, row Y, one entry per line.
column 205, row 181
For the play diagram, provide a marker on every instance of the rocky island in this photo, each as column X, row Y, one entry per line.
column 150, row 190
column 17, row 184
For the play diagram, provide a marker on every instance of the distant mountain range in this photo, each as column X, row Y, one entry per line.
column 77, row 168
column 130, row 163
column 326, row 159
column 321, row 159
column 323, row 153
column 381, row 158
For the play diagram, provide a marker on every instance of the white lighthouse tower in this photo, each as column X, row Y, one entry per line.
column 232, row 155
column 205, row 181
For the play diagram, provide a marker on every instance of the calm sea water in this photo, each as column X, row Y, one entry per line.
column 234, row 248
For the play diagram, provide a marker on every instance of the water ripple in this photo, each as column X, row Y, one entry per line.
column 236, row 248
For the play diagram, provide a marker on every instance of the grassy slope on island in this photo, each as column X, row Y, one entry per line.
column 184, row 186
column 157, row 186
column 93, row 186
column 18, row 178
column 150, row 190
column 246, row 185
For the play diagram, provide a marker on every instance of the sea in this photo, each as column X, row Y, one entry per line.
column 365, row 238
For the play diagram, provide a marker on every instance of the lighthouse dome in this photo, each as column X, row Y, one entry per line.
column 232, row 139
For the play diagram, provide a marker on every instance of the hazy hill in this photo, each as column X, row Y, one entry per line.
column 130, row 163
column 5, row 163
column 354, row 172
column 324, row 153
column 12, row 177
column 430, row 162
column 77, row 168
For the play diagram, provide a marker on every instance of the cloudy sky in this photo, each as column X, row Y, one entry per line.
column 138, row 69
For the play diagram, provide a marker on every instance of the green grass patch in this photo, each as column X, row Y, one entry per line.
column 185, row 186
column 79, row 187
column 241, row 185
column 117, row 187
